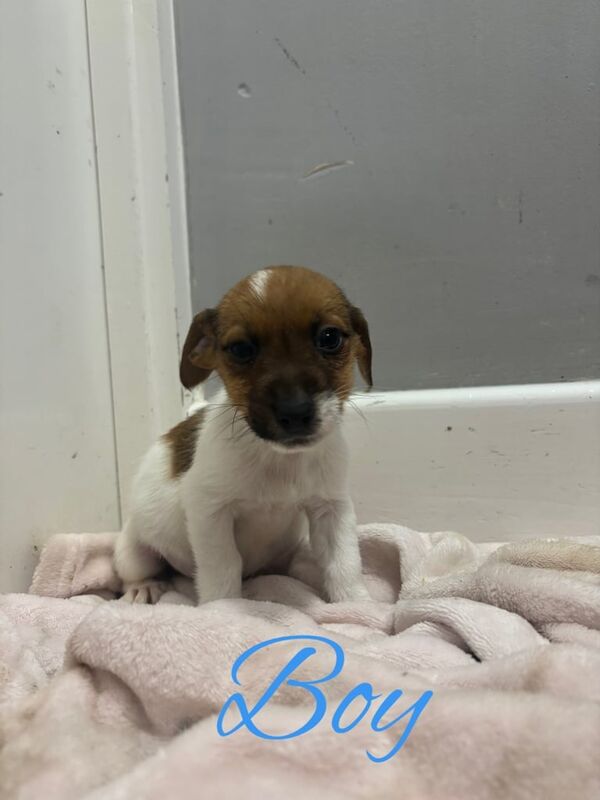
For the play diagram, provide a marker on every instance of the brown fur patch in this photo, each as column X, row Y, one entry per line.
column 279, row 315
column 294, row 302
column 182, row 442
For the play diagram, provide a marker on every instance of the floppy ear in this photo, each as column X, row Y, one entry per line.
column 198, row 358
column 363, row 349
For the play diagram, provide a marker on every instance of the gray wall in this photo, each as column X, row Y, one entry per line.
column 466, row 223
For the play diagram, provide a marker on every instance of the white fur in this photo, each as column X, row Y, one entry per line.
column 258, row 283
column 243, row 506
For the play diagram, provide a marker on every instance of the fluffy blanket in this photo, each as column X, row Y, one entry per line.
column 104, row 700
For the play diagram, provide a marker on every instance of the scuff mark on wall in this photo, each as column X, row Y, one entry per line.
column 296, row 64
column 341, row 122
column 327, row 167
column 520, row 206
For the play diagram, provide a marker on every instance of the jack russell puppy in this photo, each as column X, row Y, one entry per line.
column 254, row 479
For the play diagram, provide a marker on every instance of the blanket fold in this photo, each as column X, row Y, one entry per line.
column 103, row 700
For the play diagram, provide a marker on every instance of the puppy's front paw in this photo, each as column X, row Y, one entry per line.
column 147, row 592
column 222, row 585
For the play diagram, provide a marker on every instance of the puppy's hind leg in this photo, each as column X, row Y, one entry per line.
column 137, row 566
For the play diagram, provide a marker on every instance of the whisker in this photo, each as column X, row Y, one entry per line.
column 235, row 413
column 221, row 413
column 223, row 429
column 228, row 423
column 356, row 408
column 243, row 419
column 245, row 430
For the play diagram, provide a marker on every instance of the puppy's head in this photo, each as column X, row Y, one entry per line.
column 284, row 341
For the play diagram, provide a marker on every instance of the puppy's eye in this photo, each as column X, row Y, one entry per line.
column 330, row 340
column 243, row 351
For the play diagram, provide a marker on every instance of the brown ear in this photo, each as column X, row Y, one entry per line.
column 198, row 358
column 363, row 348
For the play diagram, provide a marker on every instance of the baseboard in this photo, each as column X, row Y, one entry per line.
column 495, row 463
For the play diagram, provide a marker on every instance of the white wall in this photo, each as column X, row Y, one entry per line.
column 57, row 455
column 467, row 222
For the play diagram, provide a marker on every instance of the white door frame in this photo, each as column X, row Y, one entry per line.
column 139, row 163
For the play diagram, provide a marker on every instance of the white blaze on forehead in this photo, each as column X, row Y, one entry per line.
column 258, row 282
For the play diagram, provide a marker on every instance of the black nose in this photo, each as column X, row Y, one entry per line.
column 295, row 413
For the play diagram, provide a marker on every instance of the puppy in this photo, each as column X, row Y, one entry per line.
column 253, row 480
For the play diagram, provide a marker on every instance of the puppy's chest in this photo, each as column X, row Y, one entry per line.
column 279, row 488
column 266, row 517
column 267, row 505
column 266, row 535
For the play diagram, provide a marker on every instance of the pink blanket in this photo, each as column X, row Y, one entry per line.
column 103, row 700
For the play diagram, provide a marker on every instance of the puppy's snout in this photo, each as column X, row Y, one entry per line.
column 295, row 413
